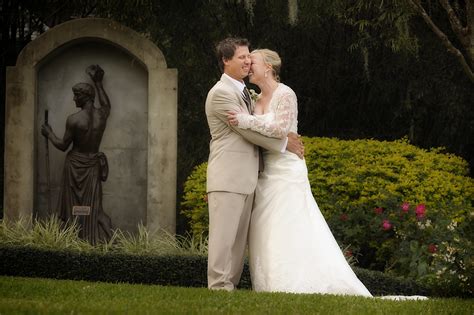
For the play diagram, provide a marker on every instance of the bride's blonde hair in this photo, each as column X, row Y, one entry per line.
column 272, row 58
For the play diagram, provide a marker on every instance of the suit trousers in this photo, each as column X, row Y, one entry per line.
column 229, row 220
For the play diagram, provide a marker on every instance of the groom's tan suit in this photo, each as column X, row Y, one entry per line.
column 232, row 175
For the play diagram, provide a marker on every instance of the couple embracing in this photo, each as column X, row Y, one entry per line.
column 258, row 188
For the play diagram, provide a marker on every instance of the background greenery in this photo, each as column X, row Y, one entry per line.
column 361, row 69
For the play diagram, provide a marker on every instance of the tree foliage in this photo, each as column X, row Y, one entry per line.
column 360, row 69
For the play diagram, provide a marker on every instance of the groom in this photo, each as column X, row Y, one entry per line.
column 233, row 166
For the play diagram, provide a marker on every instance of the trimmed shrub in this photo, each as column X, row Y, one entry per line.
column 194, row 204
column 361, row 187
column 358, row 174
column 188, row 271
column 108, row 267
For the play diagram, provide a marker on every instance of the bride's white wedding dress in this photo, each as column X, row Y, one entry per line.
column 291, row 248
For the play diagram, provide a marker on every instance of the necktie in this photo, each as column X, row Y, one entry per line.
column 246, row 98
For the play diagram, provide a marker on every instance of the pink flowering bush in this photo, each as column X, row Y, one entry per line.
column 386, row 225
column 413, row 241
column 420, row 211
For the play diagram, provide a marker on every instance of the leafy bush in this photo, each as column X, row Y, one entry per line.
column 347, row 175
column 402, row 209
column 414, row 241
column 194, row 204
column 189, row 271
column 360, row 187
column 108, row 267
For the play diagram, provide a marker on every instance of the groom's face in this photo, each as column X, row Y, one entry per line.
column 239, row 65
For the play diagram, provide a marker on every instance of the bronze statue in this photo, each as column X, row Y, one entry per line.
column 84, row 166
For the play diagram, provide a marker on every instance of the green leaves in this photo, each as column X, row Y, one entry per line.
column 53, row 234
column 350, row 179
column 194, row 204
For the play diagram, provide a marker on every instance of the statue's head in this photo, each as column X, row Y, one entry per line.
column 83, row 92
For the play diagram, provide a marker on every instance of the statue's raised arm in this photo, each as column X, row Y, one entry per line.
column 96, row 73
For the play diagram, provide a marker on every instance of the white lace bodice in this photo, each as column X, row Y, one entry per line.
column 281, row 118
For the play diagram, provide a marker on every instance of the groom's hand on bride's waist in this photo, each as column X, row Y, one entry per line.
column 295, row 145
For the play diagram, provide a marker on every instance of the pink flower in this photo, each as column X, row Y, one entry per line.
column 405, row 207
column 420, row 211
column 348, row 253
column 386, row 225
column 378, row 210
column 344, row 217
column 432, row 248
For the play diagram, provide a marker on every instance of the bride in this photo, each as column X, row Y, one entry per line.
column 291, row 247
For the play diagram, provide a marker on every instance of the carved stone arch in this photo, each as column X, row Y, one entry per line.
column 22, row 121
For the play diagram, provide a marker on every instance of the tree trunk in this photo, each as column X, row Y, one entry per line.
column 466, row 60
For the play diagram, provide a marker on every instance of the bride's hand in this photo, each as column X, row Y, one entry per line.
column 232, row 117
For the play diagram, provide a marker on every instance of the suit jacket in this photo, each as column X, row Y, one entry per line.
column 234, row 157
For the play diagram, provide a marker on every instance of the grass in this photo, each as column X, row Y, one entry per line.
column 46, row 296
column 52, row 234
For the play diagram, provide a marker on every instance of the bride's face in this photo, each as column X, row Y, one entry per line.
column 257, row 68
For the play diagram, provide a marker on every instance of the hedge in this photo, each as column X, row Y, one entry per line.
column 187, row 271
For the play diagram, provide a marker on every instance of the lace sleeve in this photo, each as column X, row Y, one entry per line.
column 285, row 114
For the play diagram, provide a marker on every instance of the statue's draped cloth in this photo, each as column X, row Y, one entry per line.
column 82, row 186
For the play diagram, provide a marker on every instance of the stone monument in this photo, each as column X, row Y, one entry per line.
column 140, row 140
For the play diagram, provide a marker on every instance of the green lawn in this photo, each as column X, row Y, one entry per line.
column 46, row 296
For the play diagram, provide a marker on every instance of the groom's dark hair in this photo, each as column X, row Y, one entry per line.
column 225, row 49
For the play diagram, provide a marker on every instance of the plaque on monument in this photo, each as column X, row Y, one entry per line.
column 81, row 210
